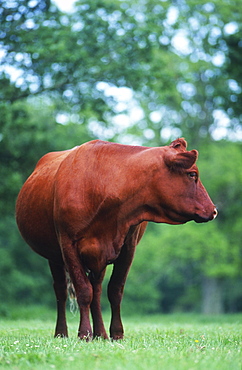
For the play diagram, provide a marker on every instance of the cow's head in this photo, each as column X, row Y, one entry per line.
column 183, row 196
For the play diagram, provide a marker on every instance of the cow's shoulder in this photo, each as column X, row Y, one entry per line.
column 53, row 157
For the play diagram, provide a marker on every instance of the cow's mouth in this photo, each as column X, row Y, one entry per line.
column 201, row 218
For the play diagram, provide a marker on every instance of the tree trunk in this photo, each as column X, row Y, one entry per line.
column 212, row 302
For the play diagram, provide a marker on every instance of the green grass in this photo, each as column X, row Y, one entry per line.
column 156, row 342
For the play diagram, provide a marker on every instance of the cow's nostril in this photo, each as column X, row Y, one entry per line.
column 215, row 213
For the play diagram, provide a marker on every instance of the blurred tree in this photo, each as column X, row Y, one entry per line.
column 132, row 71
column 177, row 62
column 206, row 36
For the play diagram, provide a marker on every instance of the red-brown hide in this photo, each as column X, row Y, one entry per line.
column 88, row 207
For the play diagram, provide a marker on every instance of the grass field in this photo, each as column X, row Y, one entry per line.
column 151, row 342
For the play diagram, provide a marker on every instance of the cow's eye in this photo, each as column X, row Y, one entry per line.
column 193, row 175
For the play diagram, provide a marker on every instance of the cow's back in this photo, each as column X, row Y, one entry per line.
column 34, row 207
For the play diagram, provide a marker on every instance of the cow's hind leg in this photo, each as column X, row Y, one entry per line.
column 82, row 285
column 98, row 326
column 60, row 288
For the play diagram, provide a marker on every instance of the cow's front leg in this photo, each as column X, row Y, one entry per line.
column 116, row 287
column 83, row 288
column 118, row 278
column 98, row 325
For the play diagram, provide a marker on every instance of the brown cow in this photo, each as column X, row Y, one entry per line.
column 87, row 207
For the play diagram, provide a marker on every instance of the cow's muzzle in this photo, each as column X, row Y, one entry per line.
column 201, row 218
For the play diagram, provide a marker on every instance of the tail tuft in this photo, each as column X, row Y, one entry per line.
column 71, row 295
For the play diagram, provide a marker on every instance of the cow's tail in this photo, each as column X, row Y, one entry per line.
column 71, row 295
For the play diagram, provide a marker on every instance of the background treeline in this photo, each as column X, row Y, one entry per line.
column 137, row 72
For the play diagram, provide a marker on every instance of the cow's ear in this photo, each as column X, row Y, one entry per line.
column 181, row 160
column 179, row 144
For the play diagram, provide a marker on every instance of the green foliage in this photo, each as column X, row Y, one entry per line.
column 219, row 166
column 61, row 76
column 25, row 275
column 104, row 44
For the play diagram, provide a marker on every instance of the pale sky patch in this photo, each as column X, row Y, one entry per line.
column 65, row 5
